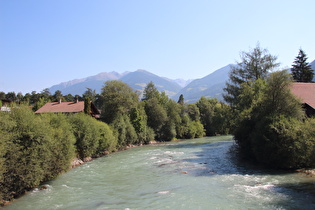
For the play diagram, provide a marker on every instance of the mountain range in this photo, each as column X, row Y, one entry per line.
column 210, row 86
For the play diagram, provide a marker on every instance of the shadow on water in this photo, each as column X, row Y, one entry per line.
column 220, row 158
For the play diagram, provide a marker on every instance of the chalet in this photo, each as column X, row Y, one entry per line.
column 306, row 93
column 68, row 107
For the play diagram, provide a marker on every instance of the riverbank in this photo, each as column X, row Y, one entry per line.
column 77, row 162
column 309, row 172
column 150, row 177
column 74, row 163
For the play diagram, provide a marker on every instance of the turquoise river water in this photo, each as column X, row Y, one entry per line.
column 193, row 174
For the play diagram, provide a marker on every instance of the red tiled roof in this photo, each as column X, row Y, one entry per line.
column 304, row 91
column 64, row 107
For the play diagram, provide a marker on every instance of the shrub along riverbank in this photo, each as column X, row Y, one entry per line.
column 37, row 148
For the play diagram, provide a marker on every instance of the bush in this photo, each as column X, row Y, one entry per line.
column 124, row 131
column 86, row 134
column 62, row 144
column 196, row 129
column 283, row 143
column 272, row 128
column 29, row 152
column 106, row 139
column 37, row 148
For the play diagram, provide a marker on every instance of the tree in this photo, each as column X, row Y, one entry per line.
column 90, row 93
column 273, row 123
column 255, row 64
column 2, row 95
column 69, row 97
column 157, row 116
column 87, row 105
column 302, row 70
column 40, row 103
column 11, row 96
column 57, row 96
column 118, row 98
column 45, row 94
column 193, row 112
column 124, row 130
column 181, row 99
column 150, row 91
column 19, row 97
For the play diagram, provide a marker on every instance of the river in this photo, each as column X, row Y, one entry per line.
column 192, row 174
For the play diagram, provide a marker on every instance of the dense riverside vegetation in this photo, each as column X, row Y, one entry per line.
column 35, row 148
column 270, row 126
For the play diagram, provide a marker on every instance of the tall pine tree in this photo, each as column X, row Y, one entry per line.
column 301, row 69
column 255, row 64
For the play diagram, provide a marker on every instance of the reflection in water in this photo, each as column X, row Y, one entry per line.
column 193, row 174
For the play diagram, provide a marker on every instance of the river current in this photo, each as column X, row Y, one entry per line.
column 193, row 174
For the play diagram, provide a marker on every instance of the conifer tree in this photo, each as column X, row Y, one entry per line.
column 301, row 69
column 181, row 99
column 255, row 64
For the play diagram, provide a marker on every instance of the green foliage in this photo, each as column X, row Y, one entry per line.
column 2, row 95
column 291, row 144
column 62, row 144
column 107, row 142
column 41, row 102
column 87, row 105
column 157, row 116
column 6, row 125
column 27, row 152
column 196, row 130
column 89, row 93
column 138, row 119
column 150, row 92
column 272, row 128
column 124, row 131
column 214, row 115
column 45, row 94
column 69, row 97
column 278, row 97
column 36, row 149
column 255, row 64
column 11, row 96
column 193, row 112
column 167, row 132
column 118, row 98
column 181, row 99
column 301, row 69
column 85, row 132
column 58, row 96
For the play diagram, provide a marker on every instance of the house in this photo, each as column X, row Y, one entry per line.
column 5, row 105
column 306, row 93
column 68, row 107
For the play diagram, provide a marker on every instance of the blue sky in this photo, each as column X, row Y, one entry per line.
column 46, row 42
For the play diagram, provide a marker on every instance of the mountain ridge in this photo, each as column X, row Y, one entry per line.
column 96, row 82
column 210, row 86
